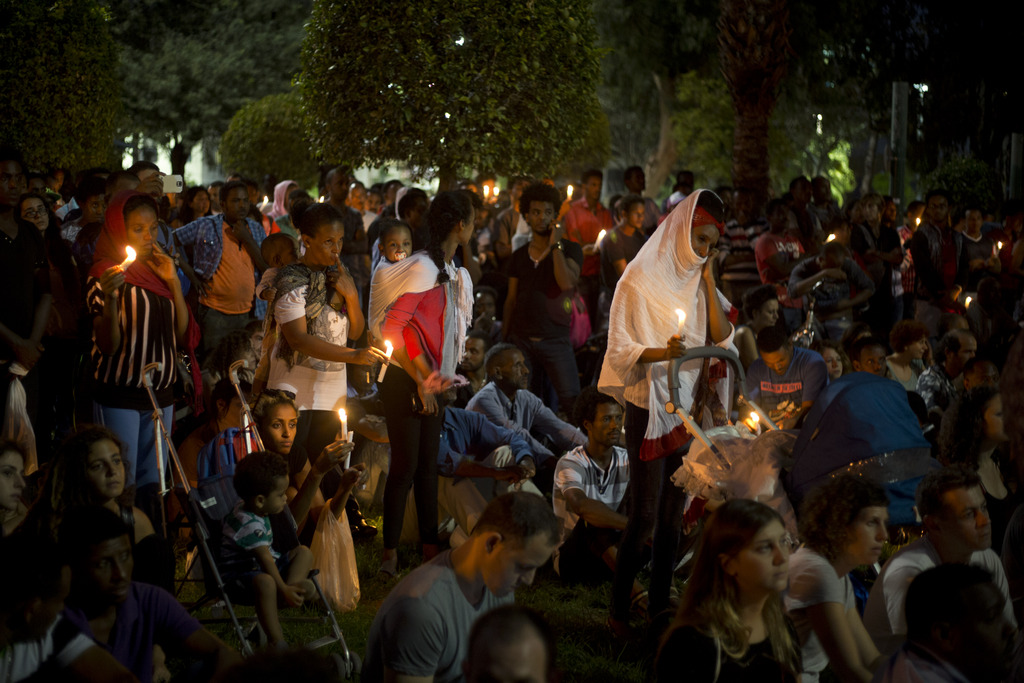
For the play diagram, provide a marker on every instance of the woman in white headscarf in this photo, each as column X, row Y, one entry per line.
column 672, row 271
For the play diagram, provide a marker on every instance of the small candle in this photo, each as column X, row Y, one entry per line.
column 600, row 238
column 917, row 221
column 343, row 417
column 1000, row 245
column 130, row 256
column 756, row 420
column 321, row 200
column 967, row 302
column 487, row 192
column 388, row 348
column 266, row 200
column 682, row 321
column 568, row 192
column 831, row 237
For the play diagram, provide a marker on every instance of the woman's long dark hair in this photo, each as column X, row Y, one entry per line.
column 57, row 250
column 446, row 212
column 185, row 213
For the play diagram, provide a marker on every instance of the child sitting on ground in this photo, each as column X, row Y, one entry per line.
column 261, row 480
column 278, row 250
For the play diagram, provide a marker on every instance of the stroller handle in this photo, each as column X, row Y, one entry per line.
column 719, row 353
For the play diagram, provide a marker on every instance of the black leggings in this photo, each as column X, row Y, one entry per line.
column 655, row 505
column 414, row 440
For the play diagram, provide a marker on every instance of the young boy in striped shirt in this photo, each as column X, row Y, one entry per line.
column 261, row 480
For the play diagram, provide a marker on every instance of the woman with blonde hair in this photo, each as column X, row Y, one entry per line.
column 730, row 625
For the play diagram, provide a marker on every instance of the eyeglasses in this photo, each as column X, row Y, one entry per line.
column 33, row 213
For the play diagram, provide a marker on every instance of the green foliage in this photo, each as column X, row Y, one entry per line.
column 704, row 134
column 267, row 137
column 968, row 181
column 189, row 65
column 58, row 78
column 479, row 84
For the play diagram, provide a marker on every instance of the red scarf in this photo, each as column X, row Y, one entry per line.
column 110, row 252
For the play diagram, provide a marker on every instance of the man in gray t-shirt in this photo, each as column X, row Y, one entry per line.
column 421, row 631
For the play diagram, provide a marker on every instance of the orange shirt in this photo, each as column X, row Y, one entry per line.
column 583, row 226
column 233, row 284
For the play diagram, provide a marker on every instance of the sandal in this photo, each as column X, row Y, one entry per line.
column 638, row 605
column 389, row 568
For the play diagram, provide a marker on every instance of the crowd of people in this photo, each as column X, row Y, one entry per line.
column 510, row 350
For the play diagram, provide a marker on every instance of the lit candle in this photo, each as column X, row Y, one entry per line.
column 487, row 192
column 756, row 420
column 917, row 221
column 682, row 321
column 130, row 256
column 1000, row 245
column 568, row 192
column 831, row 237
column 967, row 302
column 388, row 348
column 343, row 417
column 600, row 238
column 321, row 200
column 266, row 200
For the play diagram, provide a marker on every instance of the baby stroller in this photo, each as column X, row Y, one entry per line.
column 205, row 507
column 863, row 424
column 737, row 461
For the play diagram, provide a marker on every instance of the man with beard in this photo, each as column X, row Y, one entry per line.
column 538, row 307
column 472, row 367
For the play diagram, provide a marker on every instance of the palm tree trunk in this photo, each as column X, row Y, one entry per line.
column 753, row 40
column 659, row 164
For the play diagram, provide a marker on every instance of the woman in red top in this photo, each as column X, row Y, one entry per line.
column 423, row 305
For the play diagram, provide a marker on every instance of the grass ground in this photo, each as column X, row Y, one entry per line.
column 586, row 650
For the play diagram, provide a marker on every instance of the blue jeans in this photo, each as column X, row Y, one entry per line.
column 135, row 429
column 555, row 360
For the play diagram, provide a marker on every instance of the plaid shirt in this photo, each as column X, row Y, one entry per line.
column 206, row 236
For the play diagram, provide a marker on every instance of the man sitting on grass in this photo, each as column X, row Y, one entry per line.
column 421, row 631
column 124, row 617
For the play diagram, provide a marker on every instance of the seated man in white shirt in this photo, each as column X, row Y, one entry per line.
column 35, row 641
column 590, row 490
column 957, row 530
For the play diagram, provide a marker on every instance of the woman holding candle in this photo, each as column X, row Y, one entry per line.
column 139, row 317
column 423, row 305
column 316, row 308
column 672, row 271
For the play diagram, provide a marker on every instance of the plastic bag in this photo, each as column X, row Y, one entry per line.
column 17, row 427
column 335, row 556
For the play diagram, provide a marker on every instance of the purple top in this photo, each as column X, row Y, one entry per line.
column 148, row 614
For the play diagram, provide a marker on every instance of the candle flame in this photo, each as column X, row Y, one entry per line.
column 568, row 192
column 1000, row 245
column 682, row 316
column 266, row 199
column 600, row 236
column 967, row 302
column 321, row 200
column 755, row 418
column 487, row 191
column 917, row 221
column 129, row 254
column 342, row 415
column 388, row 348
column 831, row 237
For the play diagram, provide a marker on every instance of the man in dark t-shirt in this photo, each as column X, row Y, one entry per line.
column 621, row 244
column 538, row 307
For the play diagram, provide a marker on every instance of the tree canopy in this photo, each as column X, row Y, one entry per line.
column 267, row 137
column 58, row 76
column 442, row 87
column 189, row 65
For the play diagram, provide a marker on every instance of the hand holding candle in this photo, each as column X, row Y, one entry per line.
column 388, row 348
column 682, row 321
column 128, row 259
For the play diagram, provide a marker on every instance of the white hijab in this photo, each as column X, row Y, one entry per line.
column 664, row 276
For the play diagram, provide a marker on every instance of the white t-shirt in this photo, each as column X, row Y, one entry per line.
column 62, row 644
column 813, row 581
column 317, row 384
column 885, row 617
column 575, row 470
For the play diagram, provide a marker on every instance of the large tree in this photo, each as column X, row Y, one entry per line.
column 446, row 87
column 754, row 41
column 58, row 79
column 267, row 137
column 189, row 65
